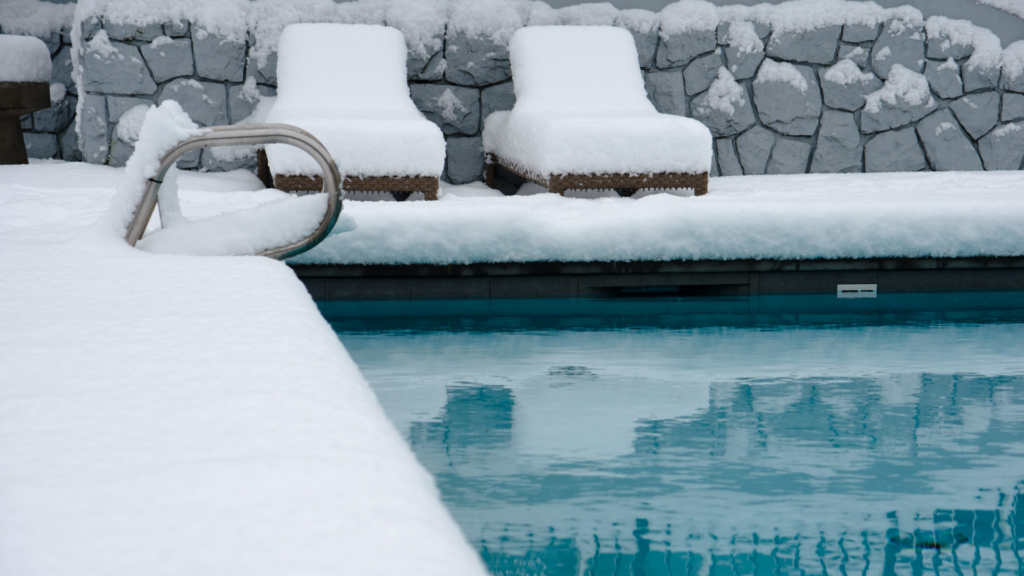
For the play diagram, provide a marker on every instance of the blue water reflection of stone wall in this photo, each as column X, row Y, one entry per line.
column 888, row 472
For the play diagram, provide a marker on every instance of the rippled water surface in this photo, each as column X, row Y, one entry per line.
column 648, row 437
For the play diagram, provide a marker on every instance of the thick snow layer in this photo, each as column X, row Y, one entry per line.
column 916, row 215
column 187, row 415
column 846, row 72
column 724, row 94
column 1013, row 60
column 25, row 59
column 35, row 17
column 57, row 93
column 227, row 18
column 743, row 37
column 902, row 84
column 581, row 108
column 355, row 101
column 130, row 124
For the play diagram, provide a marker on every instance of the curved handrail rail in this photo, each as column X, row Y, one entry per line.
column 243, row 135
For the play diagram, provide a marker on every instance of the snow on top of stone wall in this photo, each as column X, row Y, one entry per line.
column 904, row 84
column 35, row 18
column 845, row 72
column 987, row 46
column 637, row 20
column 1015, row 7
column 806, row 15
column 743, row 37
column 1013, row 60
column 772, row 71
column 225, row 18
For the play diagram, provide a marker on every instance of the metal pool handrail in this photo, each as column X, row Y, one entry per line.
column 248, row 135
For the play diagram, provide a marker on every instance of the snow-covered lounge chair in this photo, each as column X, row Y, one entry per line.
column 346, row 85
column 582, row 119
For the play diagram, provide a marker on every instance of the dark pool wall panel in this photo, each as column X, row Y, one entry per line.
column 617, row 279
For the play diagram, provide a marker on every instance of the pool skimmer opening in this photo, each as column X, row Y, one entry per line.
column 856, row 290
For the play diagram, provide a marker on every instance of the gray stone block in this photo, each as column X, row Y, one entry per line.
column 743, row 65
column 666, row 92
column 785, row 109
column 242, row 103
column 978, row 78
column 944, row 79
column 889, row 116
column 699, row 75
column 714, row 167
column 120, row 152
column 57, row 117
column 898, row 44
column 755, row 147
column 895, row 151
column 940, row 47
column 119, row 72
column 189, row 161
column 69, row 145
column 945, row 144
column 169, row 58
column 205, row 102
column 839, row 148
column 848, row 96
column 26, row 122
column 93, row 122
column 856, row 33
column 211, row 163
column 857, row 54
column 497, row 98
column 815, row 46
column 1012, row 84
column 118, row 105
column 681, row 49
column 176, row 29
column 267, row 73
column 465, row 162
column 1003, row 148
column 646, row 45
column 978, row 113
column 721, row 122
column 62, row 68
column 41, row 145
column 728, row 163
column 427, row 69
column 475, row 61
column 218, row 58
column 455, row 109
column 90, row 27
column 789, row 157
column 1013, row 108
column 128, row 32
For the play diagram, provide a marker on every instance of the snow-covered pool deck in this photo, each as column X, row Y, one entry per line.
column 749, row 234
column 187, row 415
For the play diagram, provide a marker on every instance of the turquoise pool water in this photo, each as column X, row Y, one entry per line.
column 717, row 436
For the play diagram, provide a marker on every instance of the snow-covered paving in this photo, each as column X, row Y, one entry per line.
column 918, row 214
column 183, row 414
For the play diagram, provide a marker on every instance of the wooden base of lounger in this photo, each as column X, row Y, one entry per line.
column 624, row 184
column 399, row 186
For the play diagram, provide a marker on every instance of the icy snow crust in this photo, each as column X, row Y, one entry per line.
column 355, row 101
column 592, row 119
column 24, row 59
column 914, row 215
column 187, row 415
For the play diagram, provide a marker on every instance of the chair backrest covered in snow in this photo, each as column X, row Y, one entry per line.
column 577, row 69
column 346, row 70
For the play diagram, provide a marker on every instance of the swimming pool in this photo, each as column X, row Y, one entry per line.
column 714, row 436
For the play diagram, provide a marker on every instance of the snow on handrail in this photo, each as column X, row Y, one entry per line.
column 242, row 135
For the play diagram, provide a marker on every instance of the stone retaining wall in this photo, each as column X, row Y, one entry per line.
column 51, row 133
column 776, row 103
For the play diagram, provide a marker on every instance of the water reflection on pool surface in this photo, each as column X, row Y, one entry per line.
column 650, row 443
